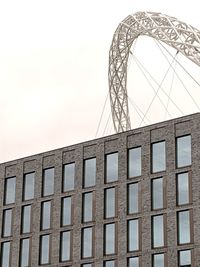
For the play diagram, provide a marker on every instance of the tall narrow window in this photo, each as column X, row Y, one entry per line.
column 134, row 162
column 26, row 219
column 159, row 260
column 68, row 177
column 158, row 157
column 133, row 262
column 89, row 172
column 9, row 192
column 183, row 188
column 133, row 235
column 46, row 215
column 29, row 182
column 48, row 182
column 87, row 207
column 133, row 198
column 183, row 151
column 65, row 242
column 109, row 263
column 66, row 211
column 25, row 252
column 87, row 265
column 157, row 193
column 87, row 242
column 185, row 258
column 184, row 235
column 109, row 239
column 158, row 231
column 44, row 249
column 7, row 223
column 5, row 254
column 110, row 202
column 111, row 167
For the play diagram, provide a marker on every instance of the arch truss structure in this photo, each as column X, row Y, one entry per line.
column 179, row 35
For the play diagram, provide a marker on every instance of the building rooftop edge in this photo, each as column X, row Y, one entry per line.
column 90, row 142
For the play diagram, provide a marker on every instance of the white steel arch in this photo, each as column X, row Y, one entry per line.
column 179, row 35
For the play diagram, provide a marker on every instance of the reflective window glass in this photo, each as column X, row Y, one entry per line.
column 109, row 263
column 68, row 177
column 111, row 167
column 87, row 207
column 184, row 227
column 185, row 258
column 7, row 223
column 109, row 202
column 157, row 193
column 158, row 231
column 87, row 265
column 133, row 198
column 9, row 193
column 48, row 182
column 133, row 262
column 5, row 254
column 29, row 182
column 183, row 151
column 159, row 260
column 44, row 249
column 133, row 235
column 134, row 162
column 26, row 219
column 158, row 157
column 87, row 242
column 109, row 242
column 46, row 215
column 24, row 252
column 66, row 211
column 183, row 188
column 65, row 246
column 89, row 172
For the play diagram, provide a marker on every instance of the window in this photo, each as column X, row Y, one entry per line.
column 109, row 199
column 158, row 231
column 89, row 172
column 5, row 254
column 109, row 239
column 185, row 258
column 46, row 215
column 133, row 198
column 134, row 162
column 28, row 189
column 25, row 252
column 65, row 244
column 184, row 236
column 48, row 182
column 109, row 263
column 68, row 177
column 26, row 219
column 133, row 235
column 159, row 260
column 87, row 242
column 7, row 223
column 183, row 151
column 158, row 157
column 87, row 207
column 66, row 211
column 111, row 167
column 87, row 265
column 9, row 194
column 157, row 193
column 133, row 262
column 44, row 249
column 183, row 188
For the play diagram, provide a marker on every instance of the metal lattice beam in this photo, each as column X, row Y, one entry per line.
column 179, row 35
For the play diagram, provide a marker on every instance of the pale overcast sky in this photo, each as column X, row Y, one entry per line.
column 54, row 65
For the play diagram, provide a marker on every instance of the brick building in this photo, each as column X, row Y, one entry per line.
column 130, row 199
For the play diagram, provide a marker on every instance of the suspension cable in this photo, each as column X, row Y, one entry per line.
column 101, row 115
